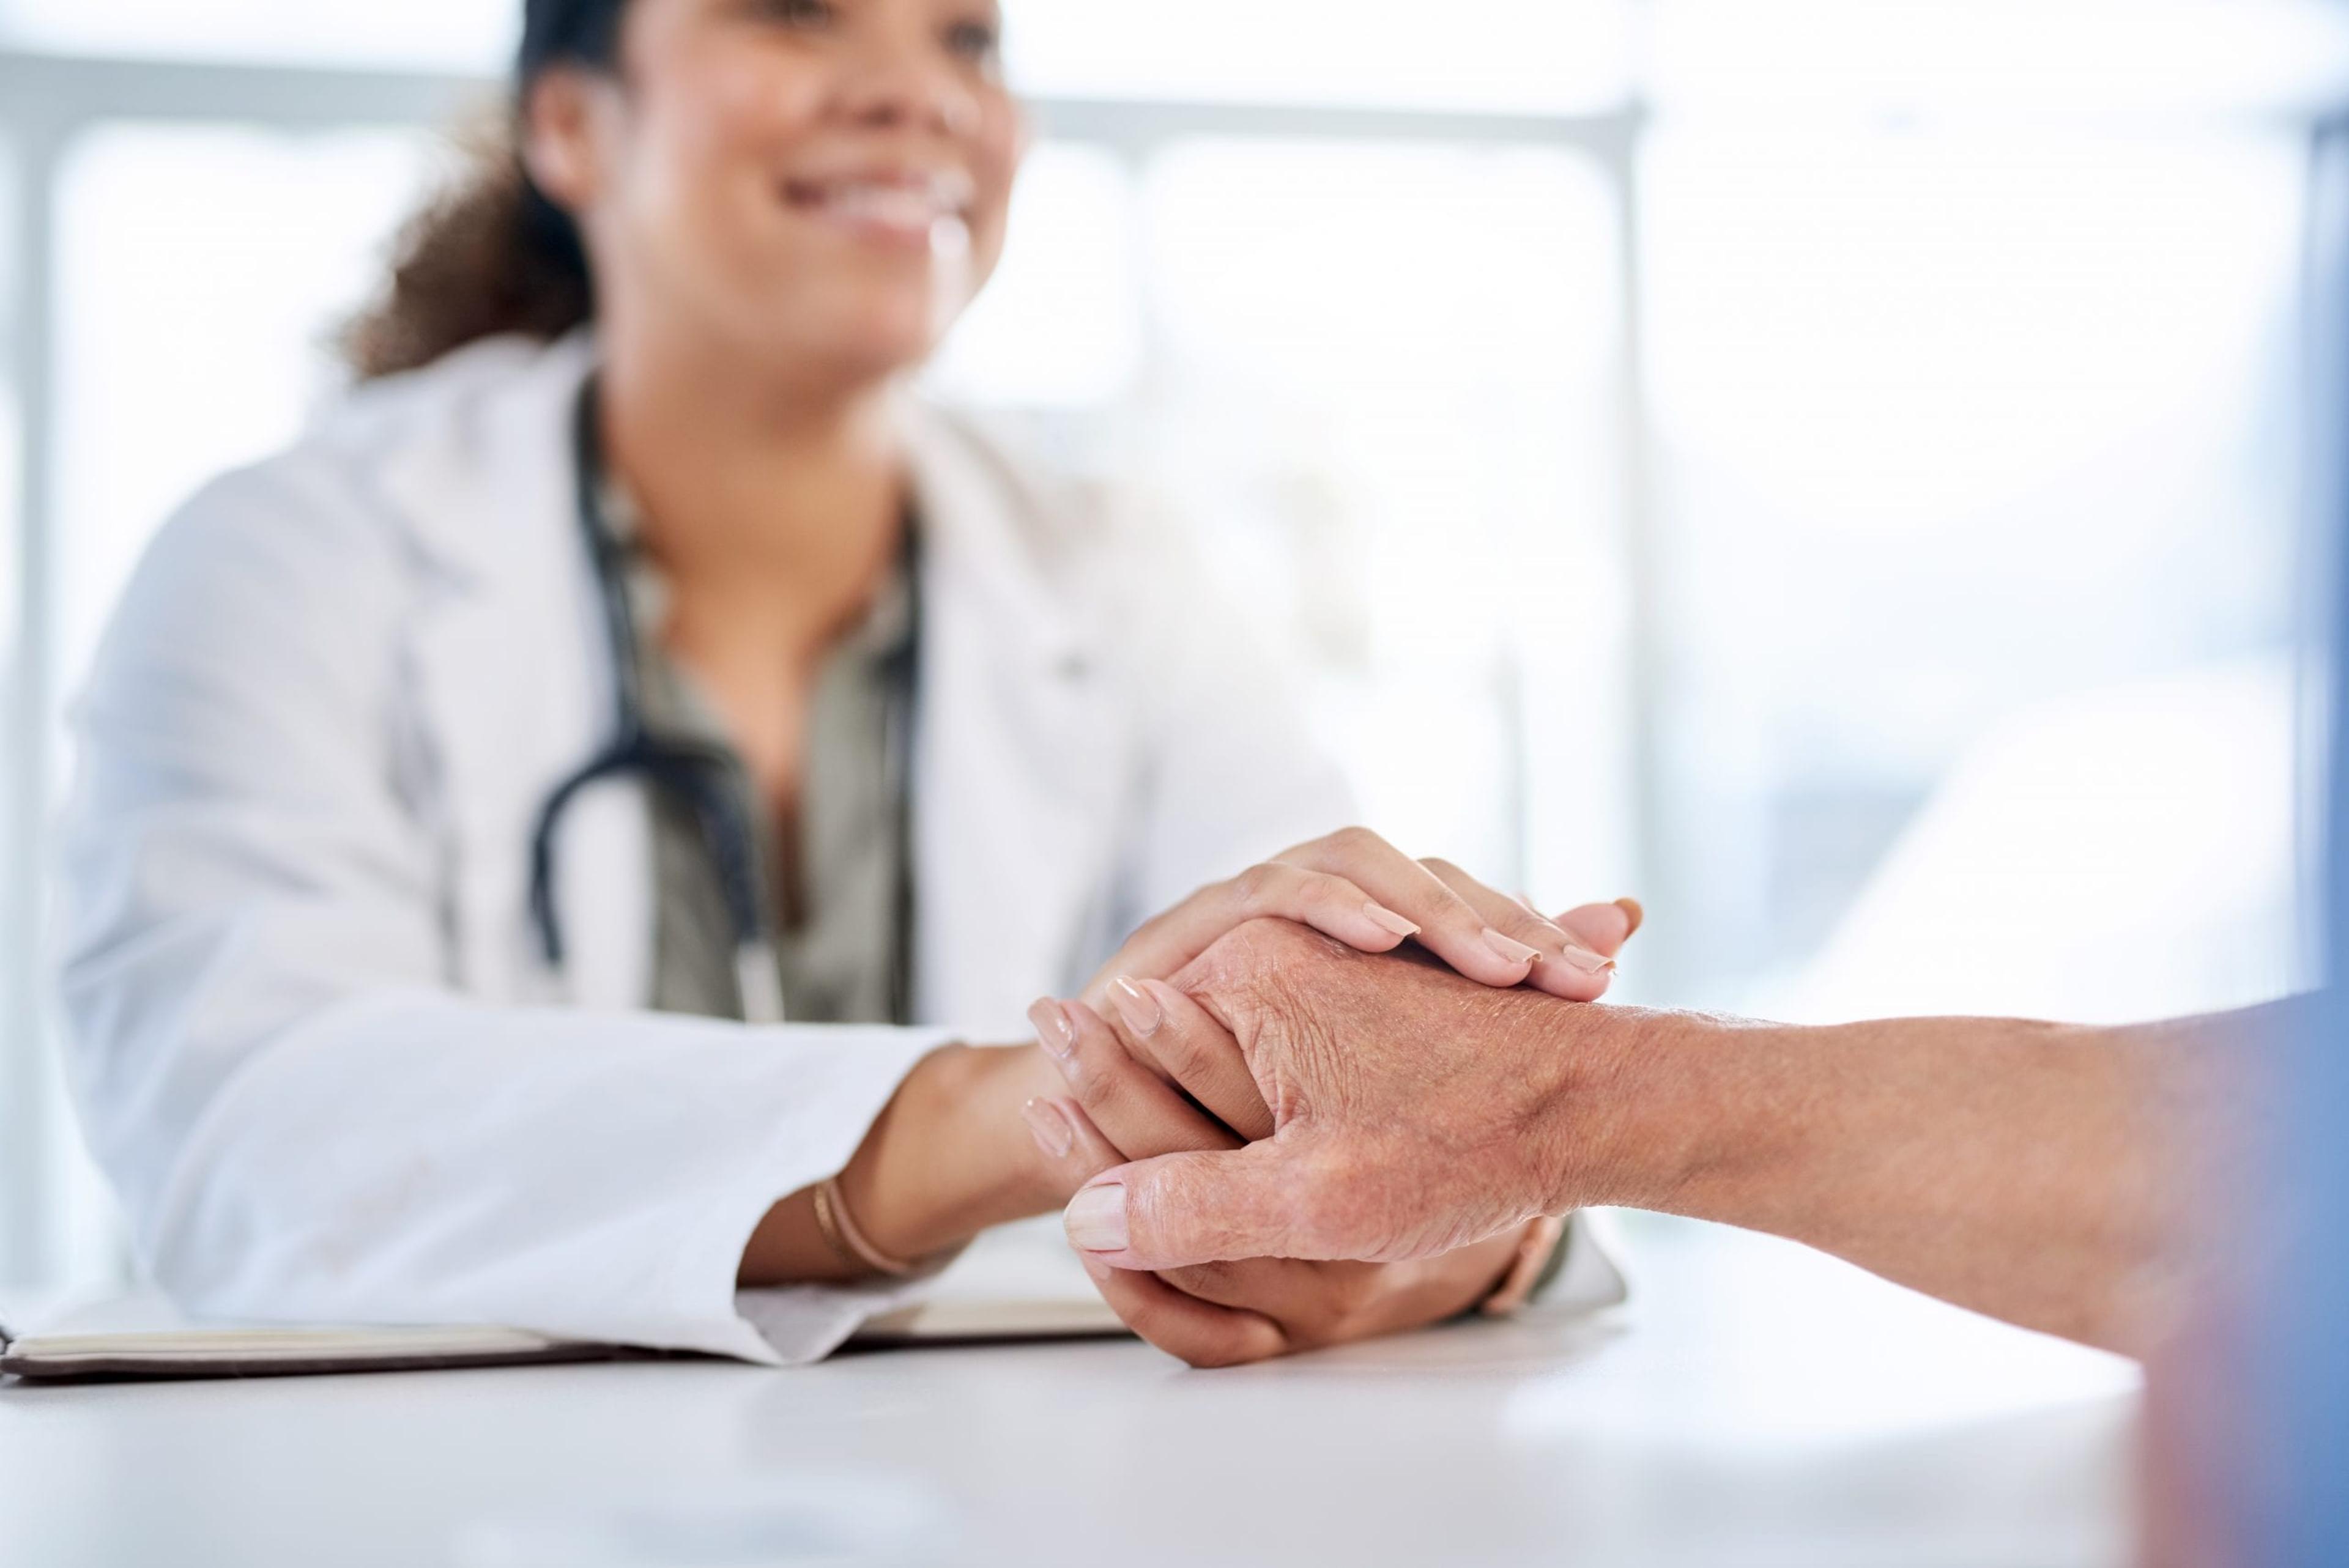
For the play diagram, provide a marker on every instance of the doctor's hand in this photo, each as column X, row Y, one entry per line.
column 1223, row 1313
column 1359, row 889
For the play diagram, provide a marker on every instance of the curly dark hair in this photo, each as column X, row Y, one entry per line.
column 494, row 254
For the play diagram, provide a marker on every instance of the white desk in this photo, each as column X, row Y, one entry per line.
column 1762, row 1407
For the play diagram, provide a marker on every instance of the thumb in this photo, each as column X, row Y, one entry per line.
column 1183, row 1210
column 1604, row 928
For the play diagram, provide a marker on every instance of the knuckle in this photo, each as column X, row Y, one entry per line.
column 1225, row 970
column 1516, row 920
column 1187, row 1056
column 1093, row 1094
column 1353, row 842
column 1249, row 960
column 1326, row 1202
column 1258, row 888
column 1323, row 892
column 1093, row 1076
column 1270, row 937
column 1256, row 943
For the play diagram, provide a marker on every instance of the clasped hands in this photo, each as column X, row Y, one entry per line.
column 1201, row 1037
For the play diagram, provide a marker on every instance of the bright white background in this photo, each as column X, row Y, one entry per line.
column 1889, row 574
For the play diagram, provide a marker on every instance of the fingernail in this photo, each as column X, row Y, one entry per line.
column 1590, row 962
column 1053, row 1132
column 1095, row 1219
column 1137, row 1006
column 1630, row 906
column 1386, row 919
column 1053, row 1029
column 1098, row 1271
column 1509, row 950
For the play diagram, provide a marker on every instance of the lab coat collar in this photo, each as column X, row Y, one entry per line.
column 981, row 516
column 1020, row 755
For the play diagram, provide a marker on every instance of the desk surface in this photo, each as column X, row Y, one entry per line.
column 1761, row 1406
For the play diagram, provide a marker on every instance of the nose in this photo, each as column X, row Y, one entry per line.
column 901, row 81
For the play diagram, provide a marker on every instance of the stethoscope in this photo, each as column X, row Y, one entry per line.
column 700, row 777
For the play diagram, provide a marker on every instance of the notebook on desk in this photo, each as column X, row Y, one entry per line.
column 143, row 1337
column 1018, row 1283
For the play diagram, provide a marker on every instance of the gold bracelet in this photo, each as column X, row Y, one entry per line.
column 839, row 1228
column 828, row 1222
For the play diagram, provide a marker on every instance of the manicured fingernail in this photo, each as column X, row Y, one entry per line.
column 1137, row 1006
column 1590, row 962
column 1630, row 906
column 1386, row 919
column 1053, row 1029
column 1095, row 1219
column 1051, row 1131
column 1509, row 950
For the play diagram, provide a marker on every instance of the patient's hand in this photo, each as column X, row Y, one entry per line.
column 1413, row 1112
column 1223, row 1313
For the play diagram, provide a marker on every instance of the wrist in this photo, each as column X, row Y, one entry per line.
column 1659, row 1110
column 950, row 1157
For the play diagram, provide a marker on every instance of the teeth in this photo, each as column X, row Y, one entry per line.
column 893, row 206
column 899, row 205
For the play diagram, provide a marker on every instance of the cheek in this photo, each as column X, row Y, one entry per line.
column 726, row 126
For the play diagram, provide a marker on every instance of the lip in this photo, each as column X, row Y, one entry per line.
column 894, row 205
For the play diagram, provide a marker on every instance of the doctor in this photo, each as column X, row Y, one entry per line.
column 552, row 847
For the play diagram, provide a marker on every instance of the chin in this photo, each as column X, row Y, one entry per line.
column 868, row 340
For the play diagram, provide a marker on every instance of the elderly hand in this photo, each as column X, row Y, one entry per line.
column 1223, row 1314
column 1356, row 887
column 1413, row 1112
column 2029, row 1170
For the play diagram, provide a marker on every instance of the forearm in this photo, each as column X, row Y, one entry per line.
column 2033, row 1172
column 943, row 1161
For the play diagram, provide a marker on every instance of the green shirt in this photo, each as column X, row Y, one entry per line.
column 834, row 893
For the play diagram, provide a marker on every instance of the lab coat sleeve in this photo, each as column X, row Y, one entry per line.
column 306, row 1121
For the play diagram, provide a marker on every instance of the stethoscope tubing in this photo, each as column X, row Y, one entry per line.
column 701, row 775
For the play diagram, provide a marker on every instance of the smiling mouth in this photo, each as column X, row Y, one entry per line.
column 899, row 207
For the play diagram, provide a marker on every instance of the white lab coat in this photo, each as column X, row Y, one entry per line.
column 312, row 1036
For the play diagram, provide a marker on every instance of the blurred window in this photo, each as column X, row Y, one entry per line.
column 1483, row 56
column 1386, row 379
column 195, row 324
column 1955, row 422
column 1060, row 326
column 1377, row 382
column 447, row 35
column 2109, row 58
column 25, row 1126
